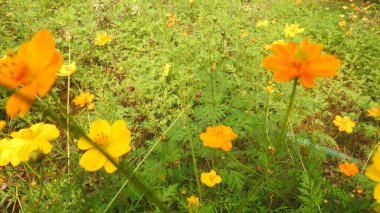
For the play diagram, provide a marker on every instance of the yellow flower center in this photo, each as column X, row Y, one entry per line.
column 101, row 139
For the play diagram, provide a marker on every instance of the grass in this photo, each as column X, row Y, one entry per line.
column 215, row 52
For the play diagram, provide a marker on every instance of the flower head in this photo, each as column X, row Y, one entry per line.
column 349, row 169
column 262, row 23
column 36, row 137
column 3, row 124
column 269, row 89
column 244, row 35
column 303, row 61
column 193, row 201
column 210, row 179
column 67, row 70
column 166, row 69
column 374, row 112
column 83, row 99
column 342, row 23
column 33, row 68
column 103, row 39
column 114, row 140
column 373, row 172
column 293, row 30
column 9, row 150
column 277, row 42
column 218, row 137
column 344, row 124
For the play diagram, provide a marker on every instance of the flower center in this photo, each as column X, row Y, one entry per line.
column 101, row 139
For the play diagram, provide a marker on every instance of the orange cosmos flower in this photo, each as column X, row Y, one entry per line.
column 303, row 61
column 349, row 169
column 374, row 112
column 218, row 137
column 35, row 67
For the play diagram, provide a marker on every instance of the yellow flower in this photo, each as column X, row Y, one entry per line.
column 9, row 150
column 3, row 124
column 269, row 89
column 210, row 179
column 262, row 23
column 342, row 23
column 341, row 15
column 191, row 1
column 344, row 124
column 353, row 16
column 277, row 42
column 91, row 106
column 298, row 1
column 374, row 112
column 67, row 70
column 193, row 201
column 349, row 169
column 166, row 69
column 373, row 172
column 244, row 35
column 102, row 39
column 83, row 99
column 113, row 140
column 293, row 30
column 36, row 137
column 218, row 137
column 345, row 7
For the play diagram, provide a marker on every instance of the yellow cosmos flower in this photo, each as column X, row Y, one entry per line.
column 293, row 30
column 83, row 99
column 3, row 124
column 374, row 112
column 193, row 201
column 9, row 150
column 298, row 1
column 262, row 23
column 36, row 137
column 373, row 172
column 342, row 23
column 102, row 39
column 218, row 137
column 244, row 35
column 166, row 69
column 210, row 179
column 269, row 89
column 67, row 70
column 114, row 140
column 344, row 124
column 277, row 42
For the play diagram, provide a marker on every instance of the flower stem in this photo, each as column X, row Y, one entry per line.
column 195, row 168
column 281, row 136
column 68, row 115
column 41, row 180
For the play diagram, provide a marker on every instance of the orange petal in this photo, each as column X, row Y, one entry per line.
column 307, row 80
column 284, row 51
column 20, row 102
column 325, row 65
column 276, row 63
column 46, row 78
column 38, row 52
column 283, row 76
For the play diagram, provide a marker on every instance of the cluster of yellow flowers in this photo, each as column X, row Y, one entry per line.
column 27, row 144
column 84, row 99
column 103, row 39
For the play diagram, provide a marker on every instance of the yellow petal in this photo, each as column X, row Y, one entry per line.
column 372, row 172
column 99, row 127
column 109, row 167
column 83, row 144
column 92, row 160
column 120, row 139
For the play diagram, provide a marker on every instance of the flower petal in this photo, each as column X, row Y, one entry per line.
column 92, row 160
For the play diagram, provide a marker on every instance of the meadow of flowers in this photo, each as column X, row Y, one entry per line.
column 190, row 106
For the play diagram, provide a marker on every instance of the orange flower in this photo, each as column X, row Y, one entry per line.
column 303, row 61
column 374, row 112
column 218, row 137
column 349, row 169
column 35, row 67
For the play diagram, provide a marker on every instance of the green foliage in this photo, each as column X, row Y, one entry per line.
column 215, row 78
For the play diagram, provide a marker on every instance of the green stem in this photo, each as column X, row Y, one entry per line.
column 281, row 136
column 195, row 168
column 237, row 161
column 68, row 115
column 41, row 180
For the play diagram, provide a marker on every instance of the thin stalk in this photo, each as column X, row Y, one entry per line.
column 41, row 180
column 237, row 161
column 68, row 116
column 281, row 136
column 195, row 169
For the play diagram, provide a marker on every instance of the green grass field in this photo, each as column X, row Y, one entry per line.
column 165, row 91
